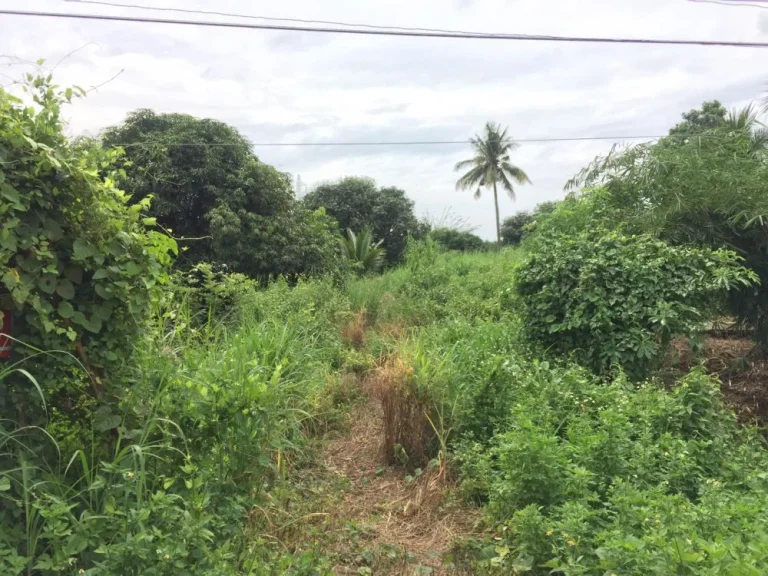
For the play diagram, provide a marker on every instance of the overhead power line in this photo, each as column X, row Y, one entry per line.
column 422, row 142
column 370, row 32
column 400, row 143
column 272, row 19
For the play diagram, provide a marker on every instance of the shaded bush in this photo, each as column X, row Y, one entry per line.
column 79, row 267
column 460, row 240
column 610, row 299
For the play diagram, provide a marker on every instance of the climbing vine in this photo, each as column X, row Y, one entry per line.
column 80, row 265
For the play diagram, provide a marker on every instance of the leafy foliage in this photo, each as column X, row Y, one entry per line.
column 594, row 478
column 704, row 185
column 361, row 250
column 618, row 300
column 225, row 204
column 80, row 269
column 577, row 473
column 355, row 203
column 491, row 166
column 513, row 227
column 711, row 115
column 452, row 239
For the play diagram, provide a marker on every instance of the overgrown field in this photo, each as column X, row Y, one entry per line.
column 231, row 392
column 270, row 403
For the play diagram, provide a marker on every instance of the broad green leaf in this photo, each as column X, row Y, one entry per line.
column 81, row 249
column 102, row 291
column 65, row 289
column 93, row 325
column 47, row 283
column 132, row 269
column 66, row 310
column 10, row 193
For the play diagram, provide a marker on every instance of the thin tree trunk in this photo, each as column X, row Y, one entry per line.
column 496, row 203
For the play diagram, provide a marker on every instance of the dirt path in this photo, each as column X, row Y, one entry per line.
column 408, row 523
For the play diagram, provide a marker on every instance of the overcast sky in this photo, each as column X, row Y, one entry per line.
column 308, row 87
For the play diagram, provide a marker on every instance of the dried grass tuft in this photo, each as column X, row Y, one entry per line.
column 353, row 332
column 420, row 517
column 408, row 438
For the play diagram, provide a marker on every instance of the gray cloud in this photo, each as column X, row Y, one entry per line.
column 285, row 87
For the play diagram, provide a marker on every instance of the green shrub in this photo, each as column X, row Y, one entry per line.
column 214, row 294
column 361, row 251
column 592, row 477
column 452, row 239
column 78, row 267
column 615, row 300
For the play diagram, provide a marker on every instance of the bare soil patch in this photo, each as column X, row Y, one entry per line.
column 416, row 519
column 744, row 379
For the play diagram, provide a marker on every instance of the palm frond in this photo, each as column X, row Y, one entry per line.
column 742, row 118
column 516, row 173
column 475, row 177
column 360, row 248
column 507, row 185
column 467, row 163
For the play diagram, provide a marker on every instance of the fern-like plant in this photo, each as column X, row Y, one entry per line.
column 361, row 249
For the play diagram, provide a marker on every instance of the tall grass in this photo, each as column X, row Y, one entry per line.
column 212, row 416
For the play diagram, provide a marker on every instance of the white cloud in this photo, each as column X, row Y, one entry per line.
column 279, row 86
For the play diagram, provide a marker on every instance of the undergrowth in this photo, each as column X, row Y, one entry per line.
column 207, row 463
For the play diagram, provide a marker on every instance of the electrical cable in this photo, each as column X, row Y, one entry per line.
column 416, row 34
column 273, row 19
column 417, row 142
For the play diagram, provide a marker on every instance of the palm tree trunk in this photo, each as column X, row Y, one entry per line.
column 496, row 203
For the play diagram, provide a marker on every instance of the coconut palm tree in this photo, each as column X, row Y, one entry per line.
column 747, row 119
column 490, row 166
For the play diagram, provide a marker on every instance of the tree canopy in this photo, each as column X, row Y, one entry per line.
column 218, row 198
column 453, row 239
column 356, row 203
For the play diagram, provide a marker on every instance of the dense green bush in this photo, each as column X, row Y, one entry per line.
column 513, row 227
column 209, row 418
column 614, row 300
column 357, row 203
column 79, row 268
column 594, row 478
column 463, row 241
column 703, row 185
column 362, row 252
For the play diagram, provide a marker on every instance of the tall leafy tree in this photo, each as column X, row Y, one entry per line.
column 710, row 115
column 218, row 198
column 513, row 227
column 491, row 167
column 186, row 164
column 357, row 203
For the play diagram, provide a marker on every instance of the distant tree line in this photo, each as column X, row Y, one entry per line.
column 224, row 205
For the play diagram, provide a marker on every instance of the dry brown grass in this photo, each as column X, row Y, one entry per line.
column 395, row 329
column 408, row 437
column 353, row 332
column 417, row 517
